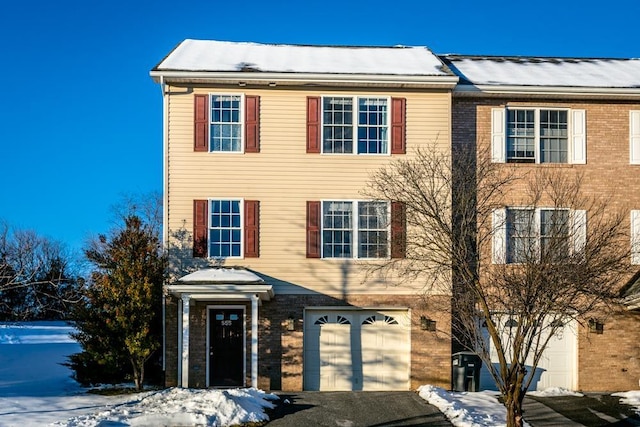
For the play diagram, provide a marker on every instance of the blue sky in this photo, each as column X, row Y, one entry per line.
column 80, row 118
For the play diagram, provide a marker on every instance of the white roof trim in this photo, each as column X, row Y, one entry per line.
column 587, row 92
column 221, row 283
column 305, row 78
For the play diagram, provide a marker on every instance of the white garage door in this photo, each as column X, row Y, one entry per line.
column 357, row 350
column 557, row 367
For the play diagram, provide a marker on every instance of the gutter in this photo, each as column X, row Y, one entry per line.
column 311, row 79
column 545, row 91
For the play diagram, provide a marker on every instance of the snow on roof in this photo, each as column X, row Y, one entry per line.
column 221, row 275
column 558, row 72
column 221, row 56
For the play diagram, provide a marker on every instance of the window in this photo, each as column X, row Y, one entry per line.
column 634, row 137
column 635, row 237
column 537, row 234
column 538, row 135
column 225, row 229
column 355, row 229
column 225, row 123
column 355, row 125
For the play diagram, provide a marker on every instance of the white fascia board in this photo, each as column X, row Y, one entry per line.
column 222, row 291
column 557, row 91
column 444, row 81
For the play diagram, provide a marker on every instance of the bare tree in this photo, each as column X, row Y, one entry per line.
column 518, row 271
column 38, row 277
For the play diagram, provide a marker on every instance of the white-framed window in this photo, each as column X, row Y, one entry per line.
column 225, row 228
column 355, row 125
column 355, row 229
column 538, row 135
column 523, row 234
column 225, row 123
column 634, row 137
column 635, row 237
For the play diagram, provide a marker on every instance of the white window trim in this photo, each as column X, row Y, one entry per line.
column 355, row 124
column 634, row 137
column 224, row 199
column 635, row 237
column 354, row 228
column 576, row 134
column 500, row 252
column 241, row 122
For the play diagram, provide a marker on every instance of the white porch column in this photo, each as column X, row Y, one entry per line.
column 254, row 340
column 186, row 298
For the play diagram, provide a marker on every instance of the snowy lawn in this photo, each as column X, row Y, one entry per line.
column 35, row 390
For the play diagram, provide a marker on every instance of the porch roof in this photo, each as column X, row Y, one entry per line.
column 222, row 283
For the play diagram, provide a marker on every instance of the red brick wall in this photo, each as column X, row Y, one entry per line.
column 610, row 361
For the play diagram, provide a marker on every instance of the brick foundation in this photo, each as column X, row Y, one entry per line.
column 280, row 351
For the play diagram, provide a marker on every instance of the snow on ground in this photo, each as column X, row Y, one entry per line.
column 631, row 398
column 466, row 409
column 554, row 391
column 36, row 390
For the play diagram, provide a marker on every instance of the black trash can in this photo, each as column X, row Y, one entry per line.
column 465, row 371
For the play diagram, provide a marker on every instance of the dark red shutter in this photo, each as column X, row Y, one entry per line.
column 398, row 126
column 252, row 124
column 200, row 226
column 398, row 230
column 201, row 123
column 313, row 124
column 251, row 229
column 313, row 229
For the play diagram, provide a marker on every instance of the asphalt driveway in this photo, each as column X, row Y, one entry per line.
column 590, row 410
column 354, row 409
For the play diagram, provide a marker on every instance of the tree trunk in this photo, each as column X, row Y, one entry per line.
column 513, row 402
column 138, row 373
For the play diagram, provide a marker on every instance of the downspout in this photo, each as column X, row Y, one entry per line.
column 164, row 214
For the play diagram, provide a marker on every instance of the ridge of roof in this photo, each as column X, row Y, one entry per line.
column 526, row 58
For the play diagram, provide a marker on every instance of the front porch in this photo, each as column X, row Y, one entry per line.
column 216, row 313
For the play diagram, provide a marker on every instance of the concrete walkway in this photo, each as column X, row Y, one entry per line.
column 355, row 409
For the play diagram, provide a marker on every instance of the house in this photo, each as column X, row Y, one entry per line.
column 267, row 151
column 575, row 116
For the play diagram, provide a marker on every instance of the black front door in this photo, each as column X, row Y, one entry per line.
column 226, row 347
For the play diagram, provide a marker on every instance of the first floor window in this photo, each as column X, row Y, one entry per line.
column 537, row 234
column 355, row 229
column 225, row 228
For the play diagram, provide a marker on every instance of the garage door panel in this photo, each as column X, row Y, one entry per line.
column 357, row 350
column 557, row 366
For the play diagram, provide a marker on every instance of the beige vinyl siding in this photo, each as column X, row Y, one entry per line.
column 283, row 177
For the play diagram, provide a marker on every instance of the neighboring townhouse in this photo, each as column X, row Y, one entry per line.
column 267, row 152
column 578, row 116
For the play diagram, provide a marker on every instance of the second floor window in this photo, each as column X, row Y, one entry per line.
column 355, row 125
column 537, row 136
column 355, row 229
column 226, row 123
